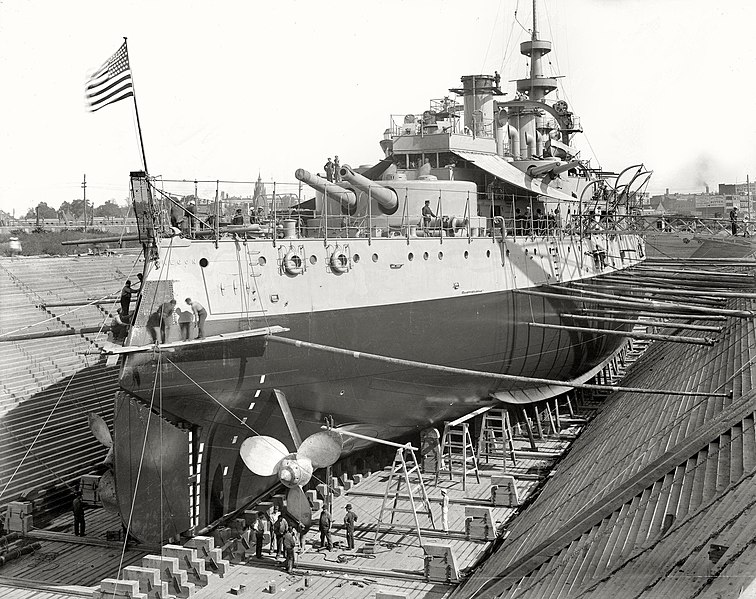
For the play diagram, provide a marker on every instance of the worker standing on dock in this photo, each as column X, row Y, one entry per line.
column 260, row 530
column 78, row 514
column 734, row 220
column 324, row 526
column 444, row 510
column 349, row 519
column 288, row 546
column 279, row 529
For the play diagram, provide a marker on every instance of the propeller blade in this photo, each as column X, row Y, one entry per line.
column 100, row 429
column 261, row 454
column 107, row 492
column 288, row 417
column 299, row 506
column 322, row 449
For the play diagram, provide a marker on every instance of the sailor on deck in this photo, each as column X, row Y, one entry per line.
column 328, row 168
column 427, row 214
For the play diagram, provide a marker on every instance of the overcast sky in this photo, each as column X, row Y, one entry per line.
column 229, row 89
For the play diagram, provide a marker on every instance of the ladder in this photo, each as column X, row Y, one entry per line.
column 495, row 439
column 405, row 464
column 457, row 450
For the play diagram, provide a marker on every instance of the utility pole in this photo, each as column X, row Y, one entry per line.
column 748, row 195
column 84, row 187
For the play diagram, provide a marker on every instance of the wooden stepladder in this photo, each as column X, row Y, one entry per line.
column 495, row 439
column 458, row 451
column 405, row 465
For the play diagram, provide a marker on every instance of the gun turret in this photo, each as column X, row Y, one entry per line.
column 334, row 191
column 386, row 198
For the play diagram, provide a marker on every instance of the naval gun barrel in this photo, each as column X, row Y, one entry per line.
column 386, row 198
column 552, row 168
column 346, row 197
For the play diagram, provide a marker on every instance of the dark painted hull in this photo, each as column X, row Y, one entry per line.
column 222, row 392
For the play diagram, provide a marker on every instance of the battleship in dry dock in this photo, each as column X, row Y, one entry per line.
column 402, row 301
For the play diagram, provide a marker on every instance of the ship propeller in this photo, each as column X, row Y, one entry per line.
column 100, row 430
column 266, row 456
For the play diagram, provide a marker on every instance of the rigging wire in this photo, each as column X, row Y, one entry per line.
column 42, row 428
column 491, row 37
column 139, row 470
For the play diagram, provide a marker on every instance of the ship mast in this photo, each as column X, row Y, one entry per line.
column 536, row 86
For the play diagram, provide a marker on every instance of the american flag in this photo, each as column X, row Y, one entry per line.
column 111, row 82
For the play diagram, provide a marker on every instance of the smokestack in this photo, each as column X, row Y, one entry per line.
column 707, row 188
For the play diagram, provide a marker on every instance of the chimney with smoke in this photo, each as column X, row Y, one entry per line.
column 707, row 188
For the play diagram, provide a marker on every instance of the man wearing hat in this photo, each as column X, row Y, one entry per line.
column 734, row 220
column 349, row 519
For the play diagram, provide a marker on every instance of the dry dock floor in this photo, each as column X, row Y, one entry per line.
column 69, row 566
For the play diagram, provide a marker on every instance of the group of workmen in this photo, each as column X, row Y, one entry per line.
column 159, row 321
column 285, row 536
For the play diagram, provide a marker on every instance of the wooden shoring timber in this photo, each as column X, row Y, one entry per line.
column 679, row 283
column 664, row 260
column 649, row 323
column 693, row 276
column 51, row 334
column 111, row 301
column 714, row 295
column 643, row 268
column 643, row 313
column 696, row 301
column 639, row 303
column 632, row 334
column 482, row 373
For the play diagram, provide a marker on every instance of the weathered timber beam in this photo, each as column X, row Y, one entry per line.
column 650, row 323
column 481, row 373
column 52, row 334
column 638, row 303
column 654, row 314
column 631, row 334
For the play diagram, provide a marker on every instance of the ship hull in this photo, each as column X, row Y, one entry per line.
column 223, row 393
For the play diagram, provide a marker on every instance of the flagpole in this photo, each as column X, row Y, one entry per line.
column 136, row 110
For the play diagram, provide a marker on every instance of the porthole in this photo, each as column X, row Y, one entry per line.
column 203, row 262
column 355, row 258
column 467, row 254
column 488, row 253
column 262, row 261
column 507, row 252
column 440, row 255
column 313, row 259
column 535, row 250
column 375, row 257
column 425, row 255
column 410, row 256
column 526, row 251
